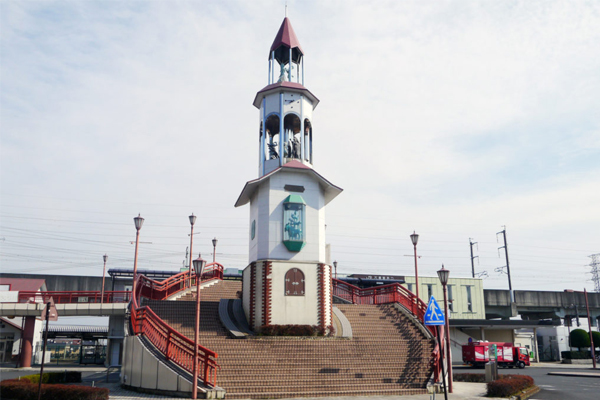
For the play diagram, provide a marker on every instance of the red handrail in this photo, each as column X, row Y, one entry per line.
column 392, row 293
column 75, row 297
column 172, row 344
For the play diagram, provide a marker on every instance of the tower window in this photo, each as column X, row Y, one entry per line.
column 291, row 144
column 272, row 136
column 293, row 222
column 294, row 282
column 308, row 141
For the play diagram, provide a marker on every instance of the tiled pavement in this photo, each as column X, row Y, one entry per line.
column 462, row 391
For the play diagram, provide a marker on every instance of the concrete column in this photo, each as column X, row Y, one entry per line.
column 27, row 348
column 482, row 333
column 535, row 344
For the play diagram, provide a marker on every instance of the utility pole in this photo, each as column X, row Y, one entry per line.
column 471, row 243
column 501, row 269
column 592, row 345
column 595, row 264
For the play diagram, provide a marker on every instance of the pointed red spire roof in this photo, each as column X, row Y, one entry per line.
column 286, row 37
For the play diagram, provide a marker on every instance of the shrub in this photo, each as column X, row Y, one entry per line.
column 469, row 378
column 294, row 330
column 576, row 355
column 25, row 390
column 508, row 385
column 596, row 337
column 580, row 338
column 55, row 377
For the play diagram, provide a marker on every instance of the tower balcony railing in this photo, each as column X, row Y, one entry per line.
column 173, row 345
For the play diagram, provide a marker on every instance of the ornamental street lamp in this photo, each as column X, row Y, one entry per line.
column 415, row 238
column 192, row 222
column 199, row 265
column 139, row 221
column 105, row 257
column 335, row 268
column 443, row 274
column 214, row 241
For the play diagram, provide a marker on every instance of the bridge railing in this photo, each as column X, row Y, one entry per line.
column 78, row 297
column 385, row 294
column 392, row 293
column 172, row 344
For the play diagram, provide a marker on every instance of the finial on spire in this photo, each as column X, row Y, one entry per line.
column 286, row 9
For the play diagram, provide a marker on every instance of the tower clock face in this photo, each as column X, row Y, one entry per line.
column 253, row 230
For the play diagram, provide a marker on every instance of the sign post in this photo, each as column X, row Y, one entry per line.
column 49, row 314
column 434, row 316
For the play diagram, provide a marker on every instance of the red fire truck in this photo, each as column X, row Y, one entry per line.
column 506, row 354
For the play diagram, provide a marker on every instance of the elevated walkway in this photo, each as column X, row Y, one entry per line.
column 64, row 310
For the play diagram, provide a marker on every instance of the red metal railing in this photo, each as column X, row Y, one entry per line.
column 75, row 297
column 392, row 293
column 174, row 346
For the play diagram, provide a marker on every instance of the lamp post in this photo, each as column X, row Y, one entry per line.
column 214, row 248
column 105, row 257
column 335, row 268
column 415, row 238
column 192, row 222
column 139, row 221
column 443, row 274
column 199, row 265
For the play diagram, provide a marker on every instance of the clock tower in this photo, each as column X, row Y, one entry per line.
column 288, row 280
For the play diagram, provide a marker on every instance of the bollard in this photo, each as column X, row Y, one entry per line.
column 491, row 371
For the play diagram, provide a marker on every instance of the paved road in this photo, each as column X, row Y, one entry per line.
column 553, row 387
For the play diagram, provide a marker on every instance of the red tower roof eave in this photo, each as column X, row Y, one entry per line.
column 288, row 86
column 330, row 190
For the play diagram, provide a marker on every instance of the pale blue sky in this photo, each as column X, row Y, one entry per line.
column 451, row 118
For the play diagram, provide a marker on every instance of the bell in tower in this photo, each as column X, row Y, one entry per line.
column 288, row 279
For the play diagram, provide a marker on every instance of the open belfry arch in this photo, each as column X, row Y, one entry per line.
column 287, row 280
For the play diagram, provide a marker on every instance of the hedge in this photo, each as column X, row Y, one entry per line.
column 509, row 385
column 55, row 377
column 13, row 389
column 576, row 355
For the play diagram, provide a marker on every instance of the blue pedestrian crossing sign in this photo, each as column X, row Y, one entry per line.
column 434, row 314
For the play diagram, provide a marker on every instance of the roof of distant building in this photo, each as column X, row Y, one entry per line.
column 23, row 284
column 6, row 321
column 77, row 328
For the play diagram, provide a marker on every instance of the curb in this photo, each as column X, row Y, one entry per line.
column 525, row 394
column 578, row 374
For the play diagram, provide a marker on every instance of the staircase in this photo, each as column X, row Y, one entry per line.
column 387, row 355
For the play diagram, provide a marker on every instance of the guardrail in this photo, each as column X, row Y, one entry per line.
column 392, row 293
column 172, row 344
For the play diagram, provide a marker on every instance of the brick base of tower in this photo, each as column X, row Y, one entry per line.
column 277, row 292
